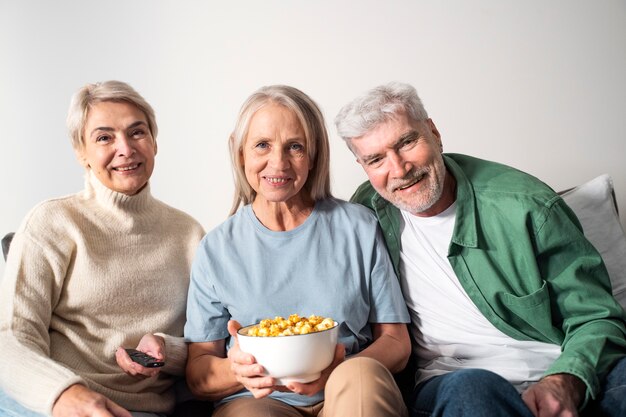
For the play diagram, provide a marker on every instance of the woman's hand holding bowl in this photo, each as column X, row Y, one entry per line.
column 247, row 371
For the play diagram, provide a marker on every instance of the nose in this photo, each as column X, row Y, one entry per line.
column 278, row 159
column 125, row 146
column 399, row 167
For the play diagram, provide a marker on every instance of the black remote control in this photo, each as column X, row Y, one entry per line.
column 144, row 359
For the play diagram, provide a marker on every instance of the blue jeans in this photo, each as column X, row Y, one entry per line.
column 467, row 393
column 481, row 393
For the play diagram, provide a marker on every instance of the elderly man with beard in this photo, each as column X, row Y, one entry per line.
column 512, row 312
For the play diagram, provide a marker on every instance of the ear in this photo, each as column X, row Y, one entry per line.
column 435, row 132
column 242, row 160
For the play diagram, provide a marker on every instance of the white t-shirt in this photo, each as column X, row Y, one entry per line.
column 449, row 330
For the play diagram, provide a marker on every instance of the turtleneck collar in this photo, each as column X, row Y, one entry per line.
column 115, row 200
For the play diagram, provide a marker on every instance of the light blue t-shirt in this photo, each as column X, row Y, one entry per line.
column 335, row 265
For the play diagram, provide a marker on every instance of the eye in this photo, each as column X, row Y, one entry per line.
column 138, row 133
column 374, row 162
column 409, row 142
column 298, row 147
column 262, row 145
column 103, row 138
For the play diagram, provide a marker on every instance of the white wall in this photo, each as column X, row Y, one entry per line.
column 534, row 84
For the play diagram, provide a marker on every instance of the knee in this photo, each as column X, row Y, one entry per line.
column 357, row 369
column 362, row 384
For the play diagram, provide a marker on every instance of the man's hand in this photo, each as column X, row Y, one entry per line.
column 80, row 401
column 150, row 344
column 555, row 396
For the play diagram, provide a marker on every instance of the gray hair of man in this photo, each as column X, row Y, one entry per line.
column 376, row 106
column 316, row 141
column 90, row 94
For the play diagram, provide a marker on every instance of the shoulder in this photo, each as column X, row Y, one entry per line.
column 493, row 178
column 53, row 225
column 344, row 213
column 53, row 213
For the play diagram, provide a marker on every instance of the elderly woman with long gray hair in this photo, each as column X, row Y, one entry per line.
column 290, row 247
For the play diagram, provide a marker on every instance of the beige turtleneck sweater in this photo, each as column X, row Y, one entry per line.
column 88, row 273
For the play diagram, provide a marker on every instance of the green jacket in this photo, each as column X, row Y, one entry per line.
column 520, row 254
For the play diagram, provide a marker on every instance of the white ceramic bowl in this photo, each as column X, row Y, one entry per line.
column 296, row 358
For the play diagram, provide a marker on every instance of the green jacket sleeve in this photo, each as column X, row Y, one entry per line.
column 582, row 305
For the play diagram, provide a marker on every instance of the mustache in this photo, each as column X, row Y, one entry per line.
column 411, row 177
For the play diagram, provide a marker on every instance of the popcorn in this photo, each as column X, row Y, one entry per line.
column 279, row 326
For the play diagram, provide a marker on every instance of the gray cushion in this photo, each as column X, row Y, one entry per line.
column 6, row 242
column 594, row 204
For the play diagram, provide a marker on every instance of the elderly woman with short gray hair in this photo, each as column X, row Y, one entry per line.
column 93, row 272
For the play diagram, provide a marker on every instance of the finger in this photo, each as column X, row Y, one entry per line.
column 258, row 382
column 124, row 361
column 153, row 346
column 529, row 399
column 149, row 372
column 237, row 356
column 132, row 368
column 310, row 388
column 253, row 370
column 261, row 393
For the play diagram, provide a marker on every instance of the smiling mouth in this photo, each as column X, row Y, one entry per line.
column 411, row 183
column 277, row 181
column 127, row 168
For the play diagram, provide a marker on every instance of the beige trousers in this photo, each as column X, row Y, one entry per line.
column 359, row 387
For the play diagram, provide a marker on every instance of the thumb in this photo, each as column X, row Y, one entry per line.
column 233, row 327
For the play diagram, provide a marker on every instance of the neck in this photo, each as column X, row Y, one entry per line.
column 283, row 215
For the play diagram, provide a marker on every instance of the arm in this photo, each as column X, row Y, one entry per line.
column 79, row 400
column 391, row 346
column 208, row 371
column 30, row 288
column 212, row 375
column 593, row 330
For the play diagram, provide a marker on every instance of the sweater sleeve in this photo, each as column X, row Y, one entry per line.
column 28, row 292
column 175, row 354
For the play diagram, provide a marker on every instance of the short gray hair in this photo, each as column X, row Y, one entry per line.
column 316, row 137
column 376, row 106
column 90, row 94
